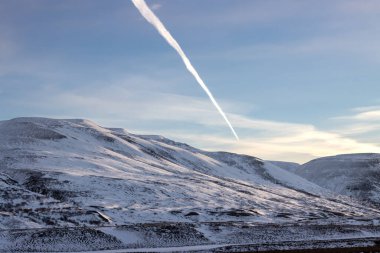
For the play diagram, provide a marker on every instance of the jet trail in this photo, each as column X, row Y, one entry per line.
column 153, row 19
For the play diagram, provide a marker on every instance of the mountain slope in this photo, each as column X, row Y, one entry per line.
column 289, row 166
column 356, row 175
column 99, row 176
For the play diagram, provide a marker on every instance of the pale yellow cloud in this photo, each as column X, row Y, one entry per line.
column 199, row 125
column 299, row 143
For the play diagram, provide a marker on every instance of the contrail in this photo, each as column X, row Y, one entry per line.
column 153, row 19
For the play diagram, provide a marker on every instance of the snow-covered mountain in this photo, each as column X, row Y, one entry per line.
column 65, row 173
column 356, row 175
column 73, row 185
column 289, row 166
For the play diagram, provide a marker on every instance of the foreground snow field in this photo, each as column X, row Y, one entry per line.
column 127, row 190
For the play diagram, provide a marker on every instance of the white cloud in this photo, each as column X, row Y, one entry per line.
column 367, row 116
column 299, row 146
column 193, row 120
column 363, row 124
column 363, row 114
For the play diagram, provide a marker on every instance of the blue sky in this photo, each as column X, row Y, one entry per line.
column 298, row 79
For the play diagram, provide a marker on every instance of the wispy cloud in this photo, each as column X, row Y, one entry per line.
column 165, row 113
column 363, row 124
column 362, row 114
column 298, row 143
column 370, row 115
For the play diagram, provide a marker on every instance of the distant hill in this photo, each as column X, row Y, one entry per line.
column 356, row 175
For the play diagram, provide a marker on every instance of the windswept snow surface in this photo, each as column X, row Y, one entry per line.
column 355, row 175
column 128, row 178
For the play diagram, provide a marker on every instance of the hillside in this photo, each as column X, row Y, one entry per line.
column 74, row 173
column 289, row 166
column 355, row 175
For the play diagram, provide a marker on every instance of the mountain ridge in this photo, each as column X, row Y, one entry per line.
column 65, row 158
column 95, row 187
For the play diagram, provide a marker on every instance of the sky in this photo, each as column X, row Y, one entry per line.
column 297, row 79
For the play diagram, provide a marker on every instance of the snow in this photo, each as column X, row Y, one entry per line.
column 131, row 178
column 161, row 249
column 124, row 236
column 355, row 175
column 289, row 166
column 65, row 173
